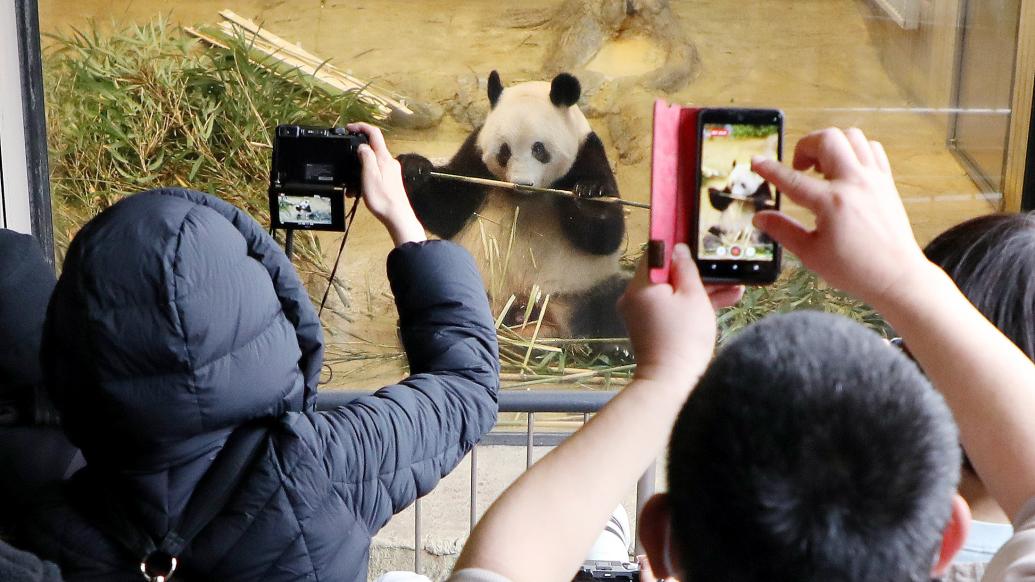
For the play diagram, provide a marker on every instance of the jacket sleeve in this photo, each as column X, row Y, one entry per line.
column 391, row 447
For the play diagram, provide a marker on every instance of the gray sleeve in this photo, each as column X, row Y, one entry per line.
column 1015, row 561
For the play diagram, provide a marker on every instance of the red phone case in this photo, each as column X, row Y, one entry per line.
column 673, row 184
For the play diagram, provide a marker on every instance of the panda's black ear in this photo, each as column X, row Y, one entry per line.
column 495, row 88
column 565, row 90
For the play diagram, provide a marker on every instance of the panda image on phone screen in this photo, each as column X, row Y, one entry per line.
column 731, row 194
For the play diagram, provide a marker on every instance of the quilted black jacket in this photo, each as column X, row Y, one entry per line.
column 176, row 319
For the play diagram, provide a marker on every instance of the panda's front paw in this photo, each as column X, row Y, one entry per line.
column 416, row 171
column 593, row 189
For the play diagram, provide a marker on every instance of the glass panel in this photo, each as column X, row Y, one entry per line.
column 985, row 88
column 135, row 100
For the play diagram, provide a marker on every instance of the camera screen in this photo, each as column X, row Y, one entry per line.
column 731, row 193
column 304, row 211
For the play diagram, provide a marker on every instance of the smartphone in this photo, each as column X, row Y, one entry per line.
column 725, row 243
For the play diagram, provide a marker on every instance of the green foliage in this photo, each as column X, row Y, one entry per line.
column 147, row 106
column 554, row 361
column 798, row 288
column 743, row 131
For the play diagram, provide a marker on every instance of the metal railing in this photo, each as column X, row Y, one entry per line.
column 528, row 403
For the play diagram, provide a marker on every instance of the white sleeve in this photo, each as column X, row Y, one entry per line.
column 1015, row 561
column 476, row 575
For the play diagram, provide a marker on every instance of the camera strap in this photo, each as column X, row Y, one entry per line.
column 158, row 559
column 341, row 249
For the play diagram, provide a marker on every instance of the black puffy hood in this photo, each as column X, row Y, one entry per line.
column 175, row 319
column 26, row 282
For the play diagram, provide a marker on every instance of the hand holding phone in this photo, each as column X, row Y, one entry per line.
column 671, row 326
column 704, row 192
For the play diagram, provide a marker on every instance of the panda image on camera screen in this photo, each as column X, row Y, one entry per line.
column 534, row 134
column 731, row 194
column 304, row 210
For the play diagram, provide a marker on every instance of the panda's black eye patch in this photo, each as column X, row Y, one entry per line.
column 503, row 156
column 540, row 152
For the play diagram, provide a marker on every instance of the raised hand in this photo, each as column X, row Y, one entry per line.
column 862, row 242
column 672, row 326
column 383, row 191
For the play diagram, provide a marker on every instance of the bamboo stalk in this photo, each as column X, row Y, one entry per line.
column 534, row 189
column 568, row 377
column 734, row 196
column 504, row 311
column 293, row 55
column 533, row 298
column 553, row 341
column 523, row 377
column 530, row 345
column 206, row 37
column 251, row 25
column 510, row 242
column 535, row 333
column 325, row 73
column 580, row 371
column 321, row 71
column 330, row 84
column 304, row 55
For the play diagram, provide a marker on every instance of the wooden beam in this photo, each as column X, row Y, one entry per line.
column 296, row 50
column 291, row 55
column 318, row 70
column 1021, row 108
column 312, row 62
column 281, row 66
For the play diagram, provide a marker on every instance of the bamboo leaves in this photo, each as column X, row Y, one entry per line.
column 147, row 106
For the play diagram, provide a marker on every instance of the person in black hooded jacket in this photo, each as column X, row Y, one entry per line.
column 177, row 319
column 33, row 452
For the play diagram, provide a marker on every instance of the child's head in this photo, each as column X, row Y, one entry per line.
column 992, row 260
column 810, row 450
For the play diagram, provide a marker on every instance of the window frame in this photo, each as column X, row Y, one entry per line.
column 25, row 203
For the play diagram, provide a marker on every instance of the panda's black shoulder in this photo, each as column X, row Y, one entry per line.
column 467, row 160
column 590, row 163
column 592, row 139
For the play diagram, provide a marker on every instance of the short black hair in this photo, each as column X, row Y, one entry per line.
column 992, row 260
column 811, row 450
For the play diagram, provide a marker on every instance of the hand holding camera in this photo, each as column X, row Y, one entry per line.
column 383, row 191
column 314, row 169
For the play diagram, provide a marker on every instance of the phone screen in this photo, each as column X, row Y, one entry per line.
column 304, row 211
column 728, row 246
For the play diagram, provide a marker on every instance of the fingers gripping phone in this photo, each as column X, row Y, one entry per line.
column 704, row 194
column 726, row 245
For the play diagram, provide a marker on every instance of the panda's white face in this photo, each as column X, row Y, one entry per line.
column 742, row 181
column 528, row 140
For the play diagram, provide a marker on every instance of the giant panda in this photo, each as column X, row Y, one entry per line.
column 745, row 194
column 533, row 134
